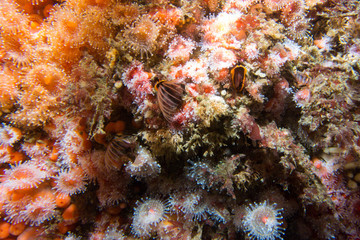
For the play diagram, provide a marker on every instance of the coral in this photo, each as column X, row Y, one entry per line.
column 147, row 215
column 23, row 176
column 299, row 28
column 323, row 43
column 144, row 165
column 251, row 50
column 262, row 221
column 219, row 32
column 196, row 70
column 19, row 51
column 112, row 189
column 189, row 204
column 70, row 181
column 137, row 81
column 302, row 97
column 241, row 5
column 65, row 18
column 275, row 5
column 41, row 208
column 50, row 77
column 9, row 135
column 122, row 14
column 246, row 123
column 112, row 233
column 142, row 36
column 201, row 173
column 221, row 58
column 180, row 49
column 8, row 89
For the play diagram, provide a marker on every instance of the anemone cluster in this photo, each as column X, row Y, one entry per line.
column 179, row 119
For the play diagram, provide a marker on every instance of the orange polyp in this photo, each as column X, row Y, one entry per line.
column 20, row 193
column 64, row 228
column 317, row 163
column 222, row 74
column 114, row 210
column 72, row 157
column 9, row 149
column 21, row 174
column 100, row 138
column 28, row 8
column 319, row 43
column 17, row 228
column 264, row 219
column 239, row 34
column 45, row 193
column 48, row 79
column 110, row 127
column 4, row 230
column 16, row 157
column 47, row 10
column 119, row 126
column 34, row 26
column 29, row 234
column 2, row 210
column 136, row 124
column 102, row 2
column 54, row 154
column 63, row 201
column 115, row 127
column 17, row 132
column 71, row 25
column 71, row 214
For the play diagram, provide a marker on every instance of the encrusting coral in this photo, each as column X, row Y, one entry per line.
column 164, row 119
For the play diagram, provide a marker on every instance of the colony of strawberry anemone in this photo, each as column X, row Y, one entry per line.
column 84, row 127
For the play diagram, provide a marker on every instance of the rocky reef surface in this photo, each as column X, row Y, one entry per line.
column 179, row 119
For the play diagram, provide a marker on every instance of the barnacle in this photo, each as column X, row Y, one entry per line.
column 238, row 74
column 169, row 96
column 117, row 151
